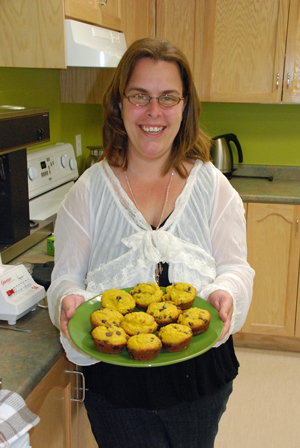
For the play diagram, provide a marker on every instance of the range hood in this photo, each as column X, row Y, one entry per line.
column 92, row 46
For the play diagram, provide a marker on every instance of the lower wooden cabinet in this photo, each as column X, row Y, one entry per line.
column 64, row 423
column 273, row 239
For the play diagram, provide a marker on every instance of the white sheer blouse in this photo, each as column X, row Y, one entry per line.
column 102, row 241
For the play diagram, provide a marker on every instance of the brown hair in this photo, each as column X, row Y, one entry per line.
column 190, row 142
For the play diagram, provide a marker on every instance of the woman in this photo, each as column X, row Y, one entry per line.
column 154, row 209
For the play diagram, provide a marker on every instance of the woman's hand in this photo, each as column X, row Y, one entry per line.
column 68, row 307
column 223, row 302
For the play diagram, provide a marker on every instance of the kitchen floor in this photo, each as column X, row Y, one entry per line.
column 264, row 408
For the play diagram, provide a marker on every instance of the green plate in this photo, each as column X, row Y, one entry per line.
column 80, row 328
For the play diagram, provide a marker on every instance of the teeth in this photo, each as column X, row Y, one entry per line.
column 152, row 130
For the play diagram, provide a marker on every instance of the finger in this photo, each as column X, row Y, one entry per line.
column 64, row 321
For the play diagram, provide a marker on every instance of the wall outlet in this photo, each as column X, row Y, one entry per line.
column 78, row 145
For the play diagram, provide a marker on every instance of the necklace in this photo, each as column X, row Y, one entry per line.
column 158, row 268
column 165, row 203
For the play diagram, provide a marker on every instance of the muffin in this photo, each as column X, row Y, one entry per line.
column 109, row 340
column 139, row 322
column 146, row 293
column 164, row 312
column 106, row 317
column 198, row 320
column 181, row 294
column 175, row 337
column 144, row 346
column 118, row 300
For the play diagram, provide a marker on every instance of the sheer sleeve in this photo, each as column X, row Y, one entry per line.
column 229, row 245
column 72, row 249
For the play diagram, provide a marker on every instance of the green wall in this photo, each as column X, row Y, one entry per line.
column 269, row 133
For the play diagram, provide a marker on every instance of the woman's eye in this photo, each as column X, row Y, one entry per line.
column 140, row 96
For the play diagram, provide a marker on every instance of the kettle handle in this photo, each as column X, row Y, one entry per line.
column 233, row 138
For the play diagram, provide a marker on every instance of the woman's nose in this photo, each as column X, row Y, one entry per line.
column 154, row 108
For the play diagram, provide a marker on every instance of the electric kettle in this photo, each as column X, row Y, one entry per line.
column 222, row 154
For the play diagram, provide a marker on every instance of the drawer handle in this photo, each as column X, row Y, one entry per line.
column 82, row 388
column 102, row 3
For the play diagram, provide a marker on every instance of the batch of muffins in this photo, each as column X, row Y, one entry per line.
column 169, row 314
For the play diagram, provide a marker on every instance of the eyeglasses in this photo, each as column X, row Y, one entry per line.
column 142, row 99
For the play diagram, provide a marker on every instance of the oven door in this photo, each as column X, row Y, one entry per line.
column 45, row 206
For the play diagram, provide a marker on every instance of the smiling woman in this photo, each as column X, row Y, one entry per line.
column 154, row 209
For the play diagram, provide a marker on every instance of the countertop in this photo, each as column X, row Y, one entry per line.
column 280, row 191
column 283, row 189
column 27, row 357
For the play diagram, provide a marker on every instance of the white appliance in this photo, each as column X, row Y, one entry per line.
column 92, row 46
column 19, row 293
column 51, row 171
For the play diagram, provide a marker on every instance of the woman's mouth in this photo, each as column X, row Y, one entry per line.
column 152, row 129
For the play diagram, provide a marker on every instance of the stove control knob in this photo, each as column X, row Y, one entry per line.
column 64, row 161
column 32, row 173
column 73, row 163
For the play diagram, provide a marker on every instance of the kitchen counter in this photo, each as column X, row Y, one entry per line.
column 280, row 191
column 283, row 189
column 27, row 357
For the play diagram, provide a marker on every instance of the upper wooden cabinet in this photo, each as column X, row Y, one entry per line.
column 32, row 34
column 104, row 13
column 175, row 21
column 291, row 85
column 244, row 57
column 244, row 50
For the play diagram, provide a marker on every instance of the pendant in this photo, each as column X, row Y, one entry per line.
column 158, row 271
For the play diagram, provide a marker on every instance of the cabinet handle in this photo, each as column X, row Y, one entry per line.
column 82, row 388
column 277, row 81
column 297, row 225
column 102, row 3
column 288, row 81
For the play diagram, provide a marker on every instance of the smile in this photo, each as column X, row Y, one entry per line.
column 153, row 130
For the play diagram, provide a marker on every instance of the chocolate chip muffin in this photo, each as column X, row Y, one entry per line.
column 139, row 322
column 106, row 317
column 164, row 312
column 119, row 300
column 181, row 294
column 109, row 340
column 197, row 319
column 144, row 346
column 146, row 293
column 175, row 337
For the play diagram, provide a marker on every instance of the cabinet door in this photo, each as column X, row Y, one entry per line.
column 104, row 13
column 273, row 252
column 51, row 400
column 32, row 34
column 175, row 21
column 242, row 49
column 138, row 19
column 291, row 86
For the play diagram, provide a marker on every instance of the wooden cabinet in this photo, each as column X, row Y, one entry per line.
column 273, row 240
column 291, row 85
column 32, row 34
column 104, row 13
column 63, row 423
column 244, row 50
column 175, row 21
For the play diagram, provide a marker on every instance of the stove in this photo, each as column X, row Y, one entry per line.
column 51, row 172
